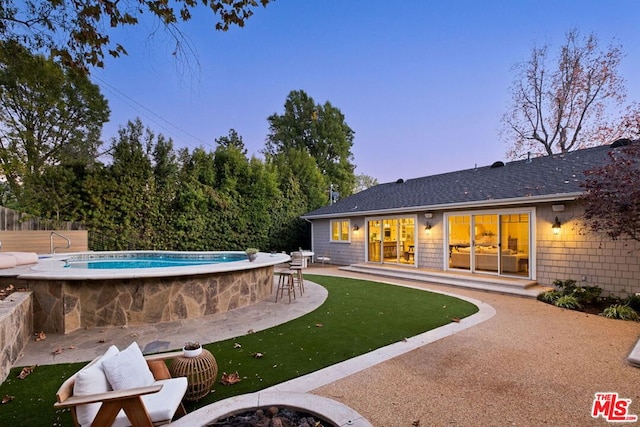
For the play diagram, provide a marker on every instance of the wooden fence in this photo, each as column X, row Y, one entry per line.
column 26, row 233
column 40, row 241
column 11, row 220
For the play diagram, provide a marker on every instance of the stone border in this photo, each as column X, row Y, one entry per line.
column 328, row 409
column 16, row 329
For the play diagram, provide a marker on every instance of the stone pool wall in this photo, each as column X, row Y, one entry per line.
column 63, row 306
column 16, row 328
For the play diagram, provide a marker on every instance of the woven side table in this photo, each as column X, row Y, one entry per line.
column 201, row 372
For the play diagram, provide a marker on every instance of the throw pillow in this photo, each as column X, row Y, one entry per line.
column 128, row 369
column 91, row 380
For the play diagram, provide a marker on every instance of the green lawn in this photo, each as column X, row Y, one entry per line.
column 357, row 317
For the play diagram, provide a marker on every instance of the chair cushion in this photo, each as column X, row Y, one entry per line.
column 23, row 258
column 162, row 405
column 7, row 261
column 91, row 380
column 128, row 369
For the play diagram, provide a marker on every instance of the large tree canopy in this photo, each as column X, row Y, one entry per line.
column 319, row 131
column 77, row 32
column 48, row 115
column 612, row 194
column 562, row 107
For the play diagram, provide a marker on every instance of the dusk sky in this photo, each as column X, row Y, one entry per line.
column 422, row 83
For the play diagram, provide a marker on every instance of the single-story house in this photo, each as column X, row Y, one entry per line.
column 520, row 220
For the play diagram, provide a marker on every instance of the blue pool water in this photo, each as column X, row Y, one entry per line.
column 106, row 262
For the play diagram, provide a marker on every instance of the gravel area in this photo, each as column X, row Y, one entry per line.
column 532, row 364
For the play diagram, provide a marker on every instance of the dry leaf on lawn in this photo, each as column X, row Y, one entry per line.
column 26, row 371
column 230, row 379
column 7, row 398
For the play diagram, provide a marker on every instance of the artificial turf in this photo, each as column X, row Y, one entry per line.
column 357, row 317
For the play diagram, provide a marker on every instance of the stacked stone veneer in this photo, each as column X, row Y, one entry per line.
column 16, row 328
column 67, row 305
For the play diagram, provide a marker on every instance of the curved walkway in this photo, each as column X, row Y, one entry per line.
column 529, row 364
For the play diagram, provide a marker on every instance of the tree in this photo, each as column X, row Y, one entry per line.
column 319, row 131
column 77, row 31
column 612, row 193
column 555, row 110
column 364, row 181
column 48, row 114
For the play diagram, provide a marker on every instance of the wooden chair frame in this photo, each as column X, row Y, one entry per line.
column 113, row 401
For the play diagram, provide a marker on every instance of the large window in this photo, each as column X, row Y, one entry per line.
column 340, row 230
column 495, row 243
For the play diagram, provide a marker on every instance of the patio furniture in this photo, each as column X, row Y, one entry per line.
column 325, row 257
column 285, row 282
column 122, row 388
column 296, row 265
column 307, row 256
column 201, row 372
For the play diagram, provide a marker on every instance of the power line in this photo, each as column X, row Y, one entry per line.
column 141, row 109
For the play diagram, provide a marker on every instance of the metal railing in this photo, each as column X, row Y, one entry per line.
column 53, row 249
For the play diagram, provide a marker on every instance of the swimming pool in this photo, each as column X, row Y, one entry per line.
column 97, row 289
column 149, row 260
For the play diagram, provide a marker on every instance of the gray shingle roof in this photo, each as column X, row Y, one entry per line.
column 526, row 181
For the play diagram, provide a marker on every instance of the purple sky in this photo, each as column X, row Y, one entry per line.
column 422, row 83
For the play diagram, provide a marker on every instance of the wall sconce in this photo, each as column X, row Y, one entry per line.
column 556, row 227
column 428, row 227
column 356, row 228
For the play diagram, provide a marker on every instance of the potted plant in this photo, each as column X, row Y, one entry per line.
column 252, row 253
column 191, row 349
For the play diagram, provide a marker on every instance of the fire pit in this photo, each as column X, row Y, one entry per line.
column 295, row 405
column 272, row 417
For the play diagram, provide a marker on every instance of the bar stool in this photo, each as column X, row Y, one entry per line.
column 296, row 265
column 286, row 282
column 298, row 277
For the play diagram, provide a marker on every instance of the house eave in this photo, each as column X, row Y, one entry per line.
column 549, row 198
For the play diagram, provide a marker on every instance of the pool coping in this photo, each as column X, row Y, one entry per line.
column 52, row 267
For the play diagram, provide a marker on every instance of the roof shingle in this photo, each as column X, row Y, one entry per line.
column 558, row 174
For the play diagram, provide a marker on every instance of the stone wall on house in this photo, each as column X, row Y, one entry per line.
column 67, row 305
column 588, row 258
column 16, row 329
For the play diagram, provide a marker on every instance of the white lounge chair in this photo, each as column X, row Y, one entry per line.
column 154, row 398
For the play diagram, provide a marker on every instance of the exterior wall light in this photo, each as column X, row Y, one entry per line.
column 428, row 227
column 356, row 228
column 556, row 227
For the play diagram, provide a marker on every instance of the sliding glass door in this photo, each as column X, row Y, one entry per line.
column 391, row 240
column 492, row 243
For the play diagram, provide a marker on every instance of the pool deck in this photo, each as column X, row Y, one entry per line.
column 519, row 362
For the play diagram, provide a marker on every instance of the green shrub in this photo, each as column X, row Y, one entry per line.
column 568, row 301
column 633, row 301
column 549, row 297
column 588, row 294
column 620, row 311
column 566, row 286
